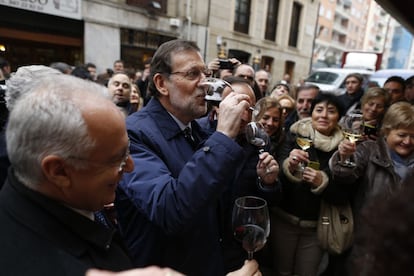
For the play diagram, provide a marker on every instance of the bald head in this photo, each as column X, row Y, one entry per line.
column 246, row 89
column 246, row 72
column 240, row 88
column 262, row 79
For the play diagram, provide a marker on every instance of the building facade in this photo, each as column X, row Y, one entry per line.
column 361, row 26
column 400, row 48
column 342, row 26
column 276, row 35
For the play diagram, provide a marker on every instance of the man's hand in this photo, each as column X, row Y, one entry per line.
column 231, row 109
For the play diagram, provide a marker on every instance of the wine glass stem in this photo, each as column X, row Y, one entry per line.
column 250, row 255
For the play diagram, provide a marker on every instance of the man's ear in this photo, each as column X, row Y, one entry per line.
column 160, row 84
column 55, row 171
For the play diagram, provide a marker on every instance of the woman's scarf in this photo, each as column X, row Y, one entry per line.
column 402, row 165
column 320, row 141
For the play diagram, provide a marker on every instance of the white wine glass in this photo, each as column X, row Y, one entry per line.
column 257, row 136
column 304, row 139
column 353, row 128
column 250, row 222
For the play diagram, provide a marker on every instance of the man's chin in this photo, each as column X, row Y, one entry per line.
column 121, row 102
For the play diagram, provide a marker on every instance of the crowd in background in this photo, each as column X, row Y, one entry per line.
column 181, row 161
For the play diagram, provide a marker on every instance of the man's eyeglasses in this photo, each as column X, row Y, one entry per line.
column 120, row 166
column 250, row 78
column 125, row 159
column 193, row 74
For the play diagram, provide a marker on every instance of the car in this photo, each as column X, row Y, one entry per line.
column 381, row 76
column 332, row 80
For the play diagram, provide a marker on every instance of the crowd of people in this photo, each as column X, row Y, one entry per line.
column 128, row 173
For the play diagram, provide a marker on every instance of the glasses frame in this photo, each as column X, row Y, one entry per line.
column 125, row 159
column 187, row 74
column 121, row 166
column 246, row 77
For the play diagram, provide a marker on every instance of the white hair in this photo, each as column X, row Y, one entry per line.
column 47, row 121
column 23, row 80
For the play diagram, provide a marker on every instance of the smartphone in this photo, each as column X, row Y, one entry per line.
column 370, row 130
column 226, row 64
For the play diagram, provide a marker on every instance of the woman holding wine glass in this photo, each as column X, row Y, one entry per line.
column 293, row 235
column 268, row 112
column 381, row 166
column 374, row 103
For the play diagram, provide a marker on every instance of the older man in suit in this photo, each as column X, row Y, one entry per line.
column 68, row 148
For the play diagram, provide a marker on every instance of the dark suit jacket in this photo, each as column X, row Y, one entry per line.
column 167, row 207
column 39, row 236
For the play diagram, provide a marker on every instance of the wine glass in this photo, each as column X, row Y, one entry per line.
column 214, row 88
column 257, row 136
column 304, row 139
column 250, row 222
column 352, row 127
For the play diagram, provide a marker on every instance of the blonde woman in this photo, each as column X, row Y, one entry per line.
column 374, row 103
column 381, row 166
column 269, row 113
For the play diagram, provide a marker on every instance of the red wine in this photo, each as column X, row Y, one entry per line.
column 253, row 237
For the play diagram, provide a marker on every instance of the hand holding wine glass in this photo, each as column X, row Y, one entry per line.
column 256, row 135
column 304, row 139
column 250, row 222
column 352, row 127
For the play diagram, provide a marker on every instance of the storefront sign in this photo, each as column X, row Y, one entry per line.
column 63, row 8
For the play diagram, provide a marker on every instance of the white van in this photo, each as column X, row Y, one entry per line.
column 332, row 80
column 381, row 76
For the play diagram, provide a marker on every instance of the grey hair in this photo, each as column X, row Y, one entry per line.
column 24, row 80
column 49, row 121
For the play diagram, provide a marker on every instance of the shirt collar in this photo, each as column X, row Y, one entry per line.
column 180, row 124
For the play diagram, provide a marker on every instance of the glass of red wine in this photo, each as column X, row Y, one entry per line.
column 257, row 136
column 250, row 222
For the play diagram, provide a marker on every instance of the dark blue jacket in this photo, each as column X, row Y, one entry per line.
column 168, row 207
column 207, row 124
column 40, row 236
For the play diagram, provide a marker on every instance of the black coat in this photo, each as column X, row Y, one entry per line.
column 39, row 236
